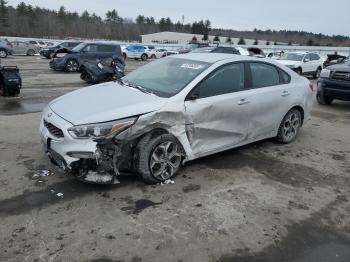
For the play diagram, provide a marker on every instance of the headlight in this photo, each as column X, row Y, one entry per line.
column 101, row 130
column 325, row 73
column 60, row 55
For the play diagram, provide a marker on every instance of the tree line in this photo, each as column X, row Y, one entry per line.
column 25, row 20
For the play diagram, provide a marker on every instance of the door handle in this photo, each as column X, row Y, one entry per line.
column 285, row 93
column 243, row 102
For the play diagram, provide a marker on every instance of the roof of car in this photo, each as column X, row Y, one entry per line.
column 215, row 57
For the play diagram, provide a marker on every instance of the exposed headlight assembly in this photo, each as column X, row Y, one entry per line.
column 101, row 130
column 325, row 73
column 60, row 55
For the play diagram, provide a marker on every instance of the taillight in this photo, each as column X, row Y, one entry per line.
column 311, row 87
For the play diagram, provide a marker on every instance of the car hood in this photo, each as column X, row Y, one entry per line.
column 339, row 67
column 288, row 62
column 104, row 102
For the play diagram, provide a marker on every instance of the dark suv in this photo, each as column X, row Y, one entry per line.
column 334, row 83
column 72, row 60
column 49, row 52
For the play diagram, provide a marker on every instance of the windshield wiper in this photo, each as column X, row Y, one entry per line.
column 138, row 87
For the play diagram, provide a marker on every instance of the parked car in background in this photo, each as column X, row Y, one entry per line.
column 71, row 60
column 171, row 111
column 217, row 49
column 334, row 83
column 49, row 44
column 275, row 55
column 6, row 48
column 257, row 52
column 136, row 51
column 24, row 48
column 50, row 51
column 39, row 44
column 303, row 63
column 333, row 59
column 157, row 53
column 170, row 52
column 190, row 47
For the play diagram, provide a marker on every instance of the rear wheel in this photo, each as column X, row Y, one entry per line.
column 3, row 53
column 317, row 73
column 323, row 100
column 289, row 128
column 299, row 71
column 72, row 65
column 158, row 158
column 31, row 52
column 144, row 57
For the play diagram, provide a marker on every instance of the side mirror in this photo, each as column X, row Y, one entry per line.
column 306, row 60
column 193, row 95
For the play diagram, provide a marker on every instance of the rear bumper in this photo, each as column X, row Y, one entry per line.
column 337, row 89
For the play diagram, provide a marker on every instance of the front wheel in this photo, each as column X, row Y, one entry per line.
column 323, row 100
column 289, row 128
column 72, row 65
column 158, row 158
column 299, row 71
column 3, row 53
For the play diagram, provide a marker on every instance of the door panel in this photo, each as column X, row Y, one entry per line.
column 217, row 118
column 218, row 122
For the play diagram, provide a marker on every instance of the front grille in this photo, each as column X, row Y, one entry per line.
column 345, row 76
column 54, row 130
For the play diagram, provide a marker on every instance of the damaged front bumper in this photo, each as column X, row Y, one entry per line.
column 85, row 159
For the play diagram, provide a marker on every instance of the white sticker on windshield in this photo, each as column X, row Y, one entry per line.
column 192, row 66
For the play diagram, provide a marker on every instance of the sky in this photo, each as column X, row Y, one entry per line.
column 317, row 16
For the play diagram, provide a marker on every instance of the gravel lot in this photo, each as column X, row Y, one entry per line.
column 261, row 202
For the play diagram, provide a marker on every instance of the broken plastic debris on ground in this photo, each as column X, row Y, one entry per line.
column 42, row 173
column 167, row 182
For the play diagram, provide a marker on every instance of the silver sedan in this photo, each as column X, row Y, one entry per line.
column 171, row 111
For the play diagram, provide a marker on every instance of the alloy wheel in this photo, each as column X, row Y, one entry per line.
column 72, row 66
column 165, row 160
column 291, row 126
column 3, row 54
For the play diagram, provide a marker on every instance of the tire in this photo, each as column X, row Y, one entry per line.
column 2, row 89
column 144, row 57
column 317, row 74
column 153, row 57
column 323, row 100
column 299, row 71
column 289, row 128
column 153, row 163
column 125, row 57
column 30, row 52
column 72, row 65
column 3, row 53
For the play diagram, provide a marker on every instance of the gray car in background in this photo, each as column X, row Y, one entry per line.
column 24, row 48
column 5, row 48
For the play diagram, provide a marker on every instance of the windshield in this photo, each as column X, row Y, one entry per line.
column 79, row 47
column 292, row 57
column 167, row 76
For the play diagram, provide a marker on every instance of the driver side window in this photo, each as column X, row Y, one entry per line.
column 228, row 79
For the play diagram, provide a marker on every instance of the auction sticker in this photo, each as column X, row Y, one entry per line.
column 192, row 66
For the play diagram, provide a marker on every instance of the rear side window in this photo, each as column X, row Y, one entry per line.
column 32, row 42
column 284, row 77
column 106, row 48
column 315, row 56
column 90, row 48
column 264, row 75
column 228, row 79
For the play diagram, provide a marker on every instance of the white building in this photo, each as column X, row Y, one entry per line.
column 184, row 38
